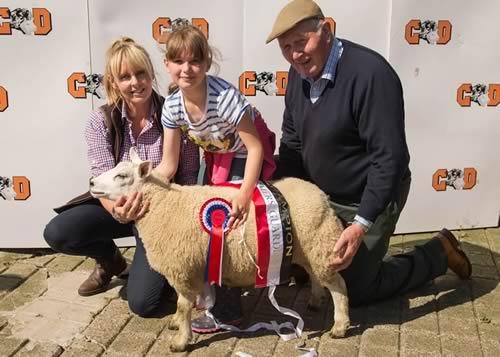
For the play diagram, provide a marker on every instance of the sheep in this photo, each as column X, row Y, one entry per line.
column 171, row 228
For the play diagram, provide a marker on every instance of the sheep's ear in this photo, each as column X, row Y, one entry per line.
column 145, row 169
column 134, row 157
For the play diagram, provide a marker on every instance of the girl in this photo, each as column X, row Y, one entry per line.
column 213, row 113
column 218, row 118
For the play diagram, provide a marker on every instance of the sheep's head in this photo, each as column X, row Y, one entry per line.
column 127, row 177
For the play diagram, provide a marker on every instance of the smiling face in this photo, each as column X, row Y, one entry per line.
column 129, row 74
column 188, row 57
column 135, row 85
column 187, row 72
column 306, row 47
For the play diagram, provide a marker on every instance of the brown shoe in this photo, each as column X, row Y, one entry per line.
column 457, row 260
column 99, row 279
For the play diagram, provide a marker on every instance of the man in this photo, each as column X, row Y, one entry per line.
column 343, row 129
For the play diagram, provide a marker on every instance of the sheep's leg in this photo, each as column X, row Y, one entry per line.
column 338, row 291
column 182, row 320
column 317, row 294
column 174, row 322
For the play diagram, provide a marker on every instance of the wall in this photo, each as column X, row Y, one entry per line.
column 44, row 101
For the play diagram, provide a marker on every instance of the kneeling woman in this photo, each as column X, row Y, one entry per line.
column 88, row 226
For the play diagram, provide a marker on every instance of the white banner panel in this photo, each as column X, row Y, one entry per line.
column 444, row 59
column 41, row 128
column 445, row 54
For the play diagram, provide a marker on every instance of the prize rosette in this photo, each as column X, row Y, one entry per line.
column 214, row 218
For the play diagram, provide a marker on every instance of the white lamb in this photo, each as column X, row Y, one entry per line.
column 176, row 244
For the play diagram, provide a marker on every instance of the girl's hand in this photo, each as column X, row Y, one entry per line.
column 239, row 211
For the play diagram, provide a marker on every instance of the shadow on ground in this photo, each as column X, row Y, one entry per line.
column 446, row 294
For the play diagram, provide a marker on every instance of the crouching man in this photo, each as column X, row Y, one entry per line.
column 343, row 129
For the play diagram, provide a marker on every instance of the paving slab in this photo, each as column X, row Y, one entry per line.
column 40, row 350
column 41, row 313
column 58, row 315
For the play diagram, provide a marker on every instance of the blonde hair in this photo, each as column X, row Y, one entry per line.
column 188, row 39
column 124, row 49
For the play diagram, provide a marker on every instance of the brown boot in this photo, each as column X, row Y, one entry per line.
column 457, row 260
column 99, row 279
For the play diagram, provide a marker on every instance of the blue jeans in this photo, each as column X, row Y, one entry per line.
column 89, row 230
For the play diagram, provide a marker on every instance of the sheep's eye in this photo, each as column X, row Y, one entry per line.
column 120, row 176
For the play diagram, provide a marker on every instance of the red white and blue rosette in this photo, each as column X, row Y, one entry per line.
column 214, row 218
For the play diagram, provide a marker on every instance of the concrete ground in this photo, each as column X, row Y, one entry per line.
column 41, row 313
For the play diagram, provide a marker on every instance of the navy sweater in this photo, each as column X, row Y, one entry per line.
column 351, row 142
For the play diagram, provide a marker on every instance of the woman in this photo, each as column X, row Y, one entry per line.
column 87, row 226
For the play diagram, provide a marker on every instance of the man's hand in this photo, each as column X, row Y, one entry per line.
column 346, row 247
column 128, row 209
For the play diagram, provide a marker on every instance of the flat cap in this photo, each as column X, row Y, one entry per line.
column 293, row 13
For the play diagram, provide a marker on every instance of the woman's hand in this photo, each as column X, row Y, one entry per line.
column 239, row 210
column 131, row 208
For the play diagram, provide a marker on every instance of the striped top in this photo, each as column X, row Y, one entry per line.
column 216, row 131
column 149, row 146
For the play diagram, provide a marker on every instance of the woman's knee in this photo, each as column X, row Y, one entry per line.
column 141, row 305
column 54, row 235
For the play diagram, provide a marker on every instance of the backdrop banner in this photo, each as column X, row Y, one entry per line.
column 53, row 60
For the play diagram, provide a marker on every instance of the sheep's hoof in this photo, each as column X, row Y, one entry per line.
column 338, row 331
column 178, row 347
column 172, row 324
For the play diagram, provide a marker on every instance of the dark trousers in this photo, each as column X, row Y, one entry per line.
column 372, row 276
column 89, row 230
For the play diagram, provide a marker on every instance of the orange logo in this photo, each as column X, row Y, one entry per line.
column 455, row 178
column 16, row 189
column 430, row 31
column 4, row 99
column 36, row 22
column 79, row 84
column 482, row 94
column 163, row 26
column 76, row 85
column 267, row 82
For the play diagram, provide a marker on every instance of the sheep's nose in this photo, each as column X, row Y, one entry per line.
column 91, row 182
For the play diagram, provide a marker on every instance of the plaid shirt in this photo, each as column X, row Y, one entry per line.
column 317, row 87
column 149, row 146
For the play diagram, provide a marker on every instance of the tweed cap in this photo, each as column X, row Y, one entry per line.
column 293, row 13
